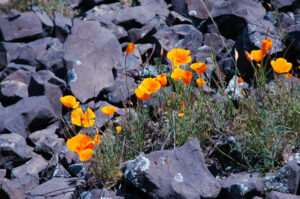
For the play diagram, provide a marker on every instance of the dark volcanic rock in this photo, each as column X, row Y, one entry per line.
column 18, row 187
column 58, row 188
column 91, row 53
column 99, row 193
column 178, row 173
column 13, row 151
column 241, row 185
column 27, row 115
column 24, row 26
column 62, row 27
column 285, row 180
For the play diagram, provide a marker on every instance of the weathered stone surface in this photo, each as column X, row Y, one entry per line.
column 13, row 151
column 285, row 180
column 19, row 187
column 64, row 188
column 31, row 167
column 160, row 7
column 180, row 6
column 25, row 26
column 91, row 53
column 47, row 23
column 178, row 173
column 12, row 91
column 278, row 195
column 8, row 52
column 28, row 114
column 242, row 185
column 196, row 8
column 46, row 141
column 235, row 89
column 99, row 193
column 175, row 18
column 282, row 3
column 62, row 27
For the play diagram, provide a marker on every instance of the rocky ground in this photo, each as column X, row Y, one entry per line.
column 43, row 58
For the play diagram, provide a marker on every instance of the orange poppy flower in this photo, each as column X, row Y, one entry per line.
column 181, row 115
column 108, row 110
column 248, row 56
column 179, row 56
column 200, row 82
column 199, row 67
column 281, row 65
column 86, row 119
column 149, row 86
column 141, row 95
column 130, row 48
column 97, row 139
column 240, row 80
column 69, row 101
column 162, row 79
column 187, row 77
column 288, row 75
column 182, row 106
column 177, row 74
column 266, row 45
column 81, row 144
column 257, row 55
column 118, row 129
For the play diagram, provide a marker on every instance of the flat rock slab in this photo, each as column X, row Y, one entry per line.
column 178, row 173
column 91, row 53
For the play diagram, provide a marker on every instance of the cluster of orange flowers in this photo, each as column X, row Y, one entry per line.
column 83, row 144
column 280, row 65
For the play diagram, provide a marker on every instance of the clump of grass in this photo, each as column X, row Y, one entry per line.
column 49, row 6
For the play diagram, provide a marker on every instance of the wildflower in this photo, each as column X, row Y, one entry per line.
column 97, row 139
column 266, row 46
column 182, row 106
column 199, row 67
column 108, row 110
column 81, row 144
column 181, row 115
column 240, row 80
column 258, row 65
column 236, row 54
column 177, row 74
column 149, row 86
column 69, row 101
column 130, row 48
column 248, row 56
column 86, row 119
column 179, row 56
column 200, row 82
column 141, row 95
column 187, row 77
column 162, row 79
column 161, row 52
column 288, row 75
column 281, row 65
column 257, row 55
column 118, row 129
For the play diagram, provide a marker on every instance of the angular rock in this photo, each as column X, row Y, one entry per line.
column 101, row 119
column 235, row 89
column 25, row 26
column 242, row 185
column 78, row 170
column 58, row 188
column 175, row 18
column 99, row 193
column 67, row 157
column 46, row 141
column 180, row 6
column 47, row 23
column 278, row 195
column 62, row 26
column 2, row 173
column 90, row 56
column 8, row 52
column 31, row 167
column 282, row 3
column 178, row 173
column 19, row 187
column 197, row 10
column 12, row 91
column 285, row 180
column 27, row 115
column 215, row 41
column 13, row 151
column 160, row 7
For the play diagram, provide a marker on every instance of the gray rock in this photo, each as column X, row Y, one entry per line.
column 99, row 193
column 285, row 180
column 90, row 56
column 235, row 89
column 57, row 187
column 175, row 18
column 31, row 167
column 8, row 52
column 2, row 173
column 242, row 185
column 62, row 27
column 197, row 10
column 46, row 141
column 25, row 26
column 278, row 195
column 101, row 119
column 160, row 7
column 13, row 151
column 19, row 187
column 178, row 173
column 12, row 91
column 180, row 6
column 282, row 3
column 27, row 115
column 47, row 23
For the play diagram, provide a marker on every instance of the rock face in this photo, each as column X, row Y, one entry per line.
column 278, row 195
column 91, row 53
column 178, row 173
